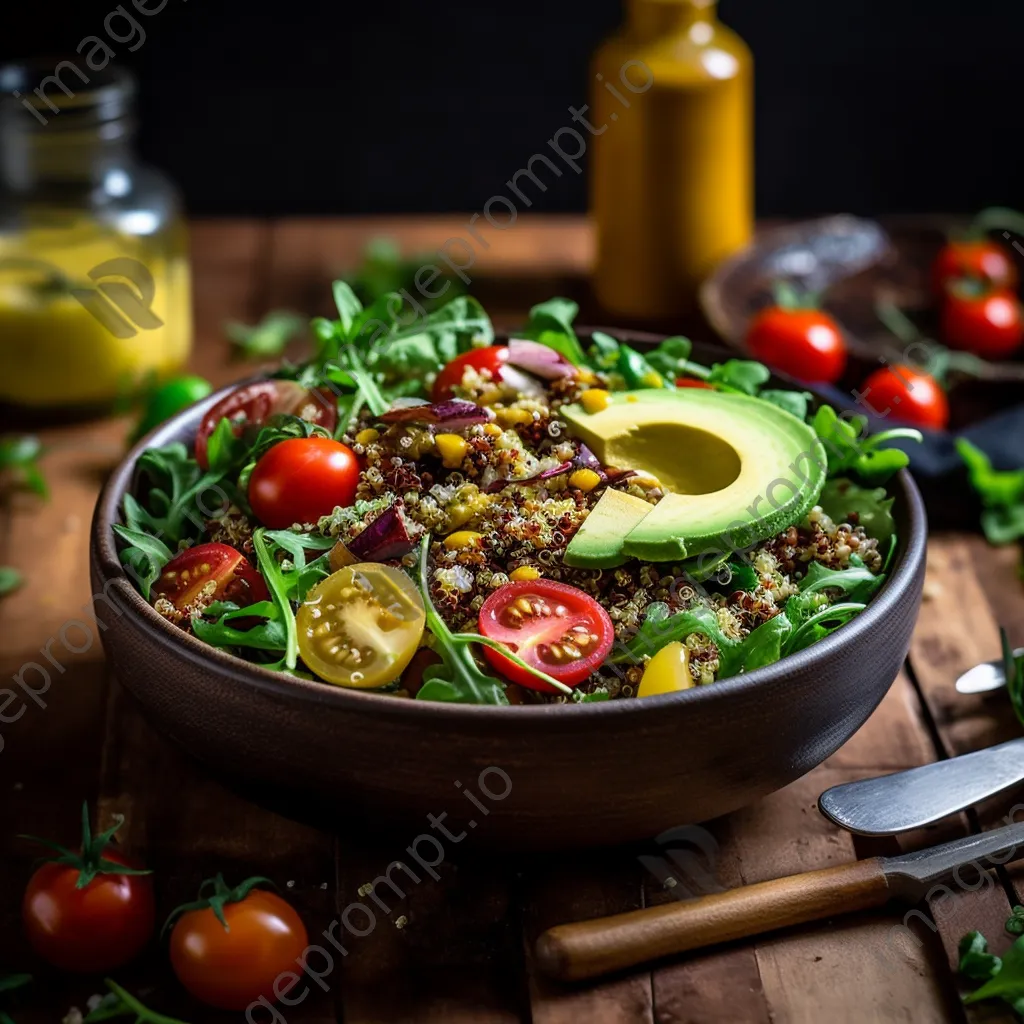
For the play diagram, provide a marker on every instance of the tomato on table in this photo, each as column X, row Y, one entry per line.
column 806, row 344
column 188, row 576
column 361, row 626
column 491, row 359
column 978, row 259
column 908, row 395
column 551, row 626
column 92, row 911
column 302, row 479
column 989, row 324
column 254, row 404
column 230, row 946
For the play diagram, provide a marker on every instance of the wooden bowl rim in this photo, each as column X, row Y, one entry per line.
column 898, row 586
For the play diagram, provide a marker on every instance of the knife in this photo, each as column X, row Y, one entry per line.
column 895, row 803
column 587, row 949
column 989, row 675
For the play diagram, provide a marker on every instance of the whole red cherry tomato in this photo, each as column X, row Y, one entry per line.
column 302, row 479
column 187, row 576
column 254, row 404
column 230, row 947
column 806, row 344
column 553, row 627
column 908, row 395
column 978, row 259
column 490, row 359
column 990, row 325
column 94, row 911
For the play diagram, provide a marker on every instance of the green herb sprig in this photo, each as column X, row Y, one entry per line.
column 121, row 1003
column 19, row 465
column 1003, row 977
column 459, row 679
column 269, row 338
column 1001, row 493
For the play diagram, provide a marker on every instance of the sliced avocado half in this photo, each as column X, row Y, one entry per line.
column 598, row 542
column 737, row 470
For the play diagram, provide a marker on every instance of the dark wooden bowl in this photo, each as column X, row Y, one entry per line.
column 546, row 776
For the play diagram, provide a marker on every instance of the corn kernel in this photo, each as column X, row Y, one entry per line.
column 492, row 430
column 525, row 573
column 462, row 539
column 367, row 436
column 594, row 400
column 584, row 479
column 631, row 398
column 585, row 376
column 452, row 448
column 652, row 380
column 510, row 417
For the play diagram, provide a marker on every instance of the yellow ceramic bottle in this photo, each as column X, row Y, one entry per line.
column 672, row 166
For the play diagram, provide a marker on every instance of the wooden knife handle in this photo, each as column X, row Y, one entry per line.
column 571, row 952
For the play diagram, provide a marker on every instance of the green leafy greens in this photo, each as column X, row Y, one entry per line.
column 851, row 452
column 1001, row 493
column 267, row 339
column 1002, row 977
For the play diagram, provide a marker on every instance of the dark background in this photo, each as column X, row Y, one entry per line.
column 872, row 106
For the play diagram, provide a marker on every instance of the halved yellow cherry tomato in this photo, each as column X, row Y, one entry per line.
column 361, row 626
column 667, row 672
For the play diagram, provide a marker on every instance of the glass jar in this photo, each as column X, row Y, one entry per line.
column 95, row 295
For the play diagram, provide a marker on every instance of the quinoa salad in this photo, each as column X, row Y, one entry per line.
column 425, row 512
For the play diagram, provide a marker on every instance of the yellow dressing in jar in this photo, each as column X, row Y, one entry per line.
column 672, row 172
column 95, row 292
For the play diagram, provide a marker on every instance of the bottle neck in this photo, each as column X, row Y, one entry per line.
column 650, row 19
column 57, row 133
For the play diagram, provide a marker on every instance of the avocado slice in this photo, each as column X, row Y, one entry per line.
column 737, row 470
column 598, row 542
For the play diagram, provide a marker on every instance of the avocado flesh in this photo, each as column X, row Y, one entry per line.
column 598, row 542
column 737, row 470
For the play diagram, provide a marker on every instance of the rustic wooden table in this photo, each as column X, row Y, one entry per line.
column 459, row 950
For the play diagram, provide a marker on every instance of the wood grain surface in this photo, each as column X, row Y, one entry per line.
column 460, row 949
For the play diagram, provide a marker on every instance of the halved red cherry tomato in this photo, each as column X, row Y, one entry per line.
column 254, row 404
column 190, row 575
column 302, row 479
column 96, row 928
column 907, row 394
column 490, row 359
column 990, row 325
column 693, row 382
column 807, row 344
column 249, row 959
column 979, row 259
column 551, row 626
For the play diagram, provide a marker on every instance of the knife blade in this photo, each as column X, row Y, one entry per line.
column 895, row 803
column 587, row 949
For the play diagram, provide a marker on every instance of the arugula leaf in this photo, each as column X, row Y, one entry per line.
column 177, row 482
column 856, row 584
column 1001, row 493
column 820, row 625
column 269, row 635
column 1013, row 669
column 841, row 497
column 849, row 451
column 10, row 580
column 743, row 375
column 604, row 351
column 19, row 463
column 671, row 357
column 278, row 585
column 146, row 554
column 551, row 323
column 976, row 962
column 459, row 679
column 1006, row 980
column 796, row 403
column 761, row 646
column 269, row 337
